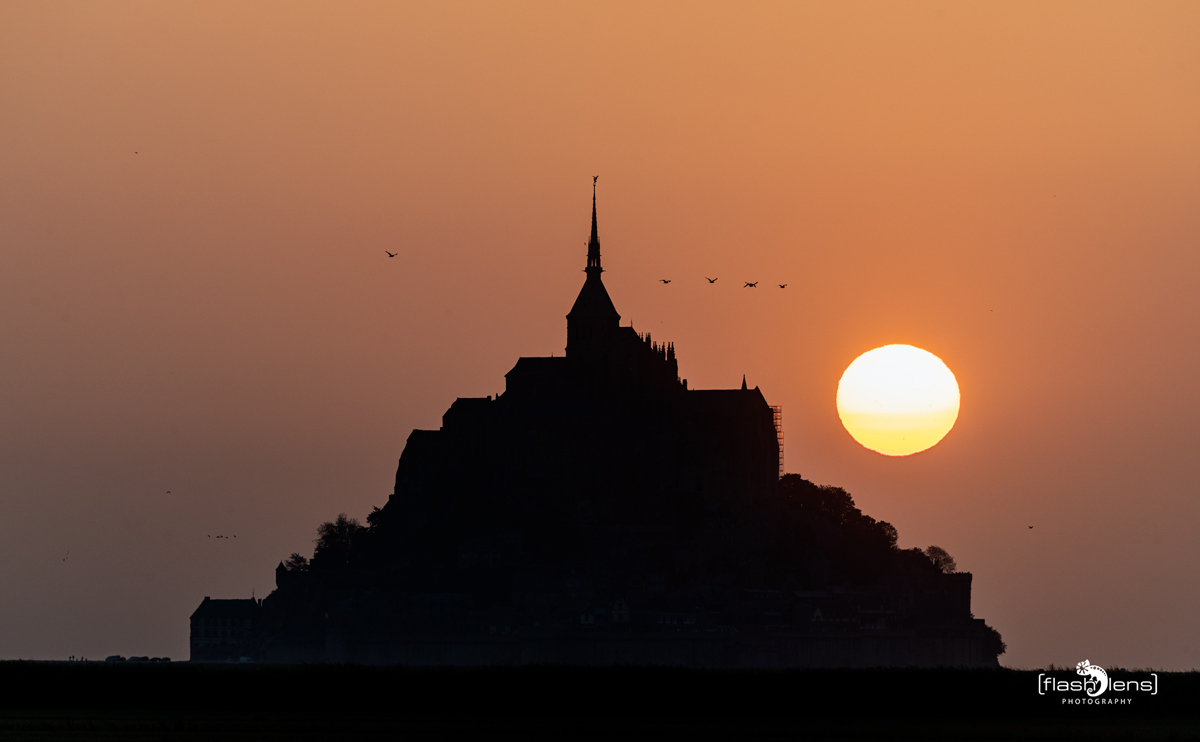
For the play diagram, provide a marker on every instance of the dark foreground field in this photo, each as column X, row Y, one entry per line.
column 53, row 701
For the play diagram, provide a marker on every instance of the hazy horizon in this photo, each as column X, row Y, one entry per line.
column 194, row 295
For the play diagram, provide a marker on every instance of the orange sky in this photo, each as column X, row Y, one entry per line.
column 1011, row 186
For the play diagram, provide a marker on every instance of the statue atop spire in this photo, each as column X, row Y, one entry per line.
column 593, row 257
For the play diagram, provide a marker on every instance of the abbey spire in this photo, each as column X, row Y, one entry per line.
column 593, row 256
column 593, row 319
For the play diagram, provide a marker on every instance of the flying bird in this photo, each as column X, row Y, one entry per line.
column 665, row 280
column 168, row 492
column 1031, row 526
column 68, row 556
column 710, row 280
column 783, row 285
column 751, row 285
column 390, row 254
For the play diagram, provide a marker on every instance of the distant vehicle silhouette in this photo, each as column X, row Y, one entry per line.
column 665, row 280
column 710, row 280
column 751, row 285
column 390, row 254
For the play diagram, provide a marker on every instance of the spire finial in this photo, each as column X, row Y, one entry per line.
column 743, row 382
column 593, row 256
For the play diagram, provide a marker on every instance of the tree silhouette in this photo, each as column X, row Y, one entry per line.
column 295, row 563
column 941, row 559
column 335, row 542
column 836, row 504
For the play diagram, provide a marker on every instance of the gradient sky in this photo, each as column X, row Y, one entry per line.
column 1014, row 187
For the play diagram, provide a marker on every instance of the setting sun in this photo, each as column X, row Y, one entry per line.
column 898, row 400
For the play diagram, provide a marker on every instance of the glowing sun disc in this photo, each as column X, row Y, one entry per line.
column 898, row 400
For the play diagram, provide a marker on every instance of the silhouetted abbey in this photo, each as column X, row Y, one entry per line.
column 599, row 511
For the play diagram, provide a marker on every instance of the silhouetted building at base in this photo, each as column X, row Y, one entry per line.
column 222, row 629
column 601, row 512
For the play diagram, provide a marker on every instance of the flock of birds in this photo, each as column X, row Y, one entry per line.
column 68, row 556
column 747, row 284
column 665, row 281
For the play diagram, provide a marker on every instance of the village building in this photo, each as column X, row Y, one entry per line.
column 220, row 629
